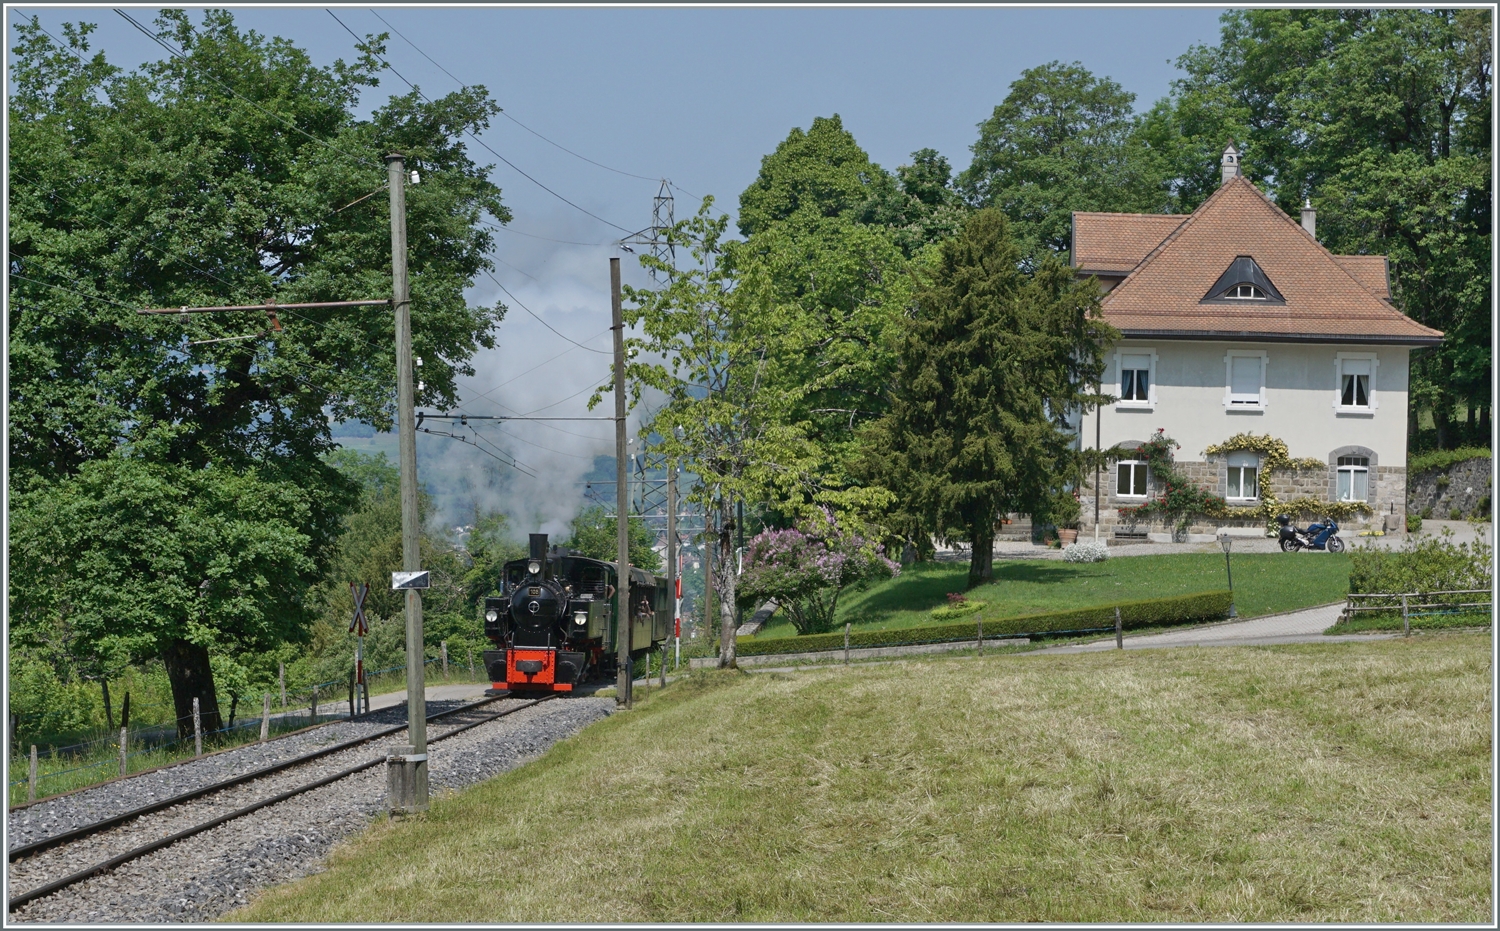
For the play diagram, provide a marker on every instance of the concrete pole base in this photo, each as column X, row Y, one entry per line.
column 405, row 780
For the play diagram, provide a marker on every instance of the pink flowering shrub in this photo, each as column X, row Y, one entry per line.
column 806, row 568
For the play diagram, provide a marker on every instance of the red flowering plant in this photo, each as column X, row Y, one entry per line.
column 1178, row 500
column 806, row 568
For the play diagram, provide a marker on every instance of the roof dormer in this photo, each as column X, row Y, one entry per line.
column 1243, row 281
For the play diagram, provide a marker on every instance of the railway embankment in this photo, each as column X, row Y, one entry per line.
column 1232, row 785
column 204, row 875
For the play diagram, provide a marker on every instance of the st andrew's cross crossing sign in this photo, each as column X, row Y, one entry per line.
column 360, row 625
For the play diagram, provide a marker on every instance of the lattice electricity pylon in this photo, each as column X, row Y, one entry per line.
column 653, row 237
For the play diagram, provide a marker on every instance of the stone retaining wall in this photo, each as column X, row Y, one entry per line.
column 1464, row 486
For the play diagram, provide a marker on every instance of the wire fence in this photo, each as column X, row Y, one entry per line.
column 159, row 743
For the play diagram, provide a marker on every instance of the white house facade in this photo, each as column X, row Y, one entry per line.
column 1234, row 320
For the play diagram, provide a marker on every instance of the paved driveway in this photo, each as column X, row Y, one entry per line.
column 1305, row 626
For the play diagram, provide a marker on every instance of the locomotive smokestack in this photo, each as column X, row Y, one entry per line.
column 539, row 546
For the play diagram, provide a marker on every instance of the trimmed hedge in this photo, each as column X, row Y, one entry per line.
column 1180, row 609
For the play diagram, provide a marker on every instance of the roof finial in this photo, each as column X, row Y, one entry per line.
column 1229, row 165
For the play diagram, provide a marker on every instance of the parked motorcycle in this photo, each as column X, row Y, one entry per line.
column 1321, row 535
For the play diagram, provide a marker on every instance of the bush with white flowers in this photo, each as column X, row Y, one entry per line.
column 1088, row 551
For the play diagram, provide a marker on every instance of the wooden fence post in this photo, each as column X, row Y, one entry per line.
column 978, row 638
column 846, row 643
column 124, row 750
column 265, row 718
column 281, row 681
column 443, row 648
column 197, row 731
column 1119, row 632
column 1405, row 618
column 312, row 708
column 31, row 780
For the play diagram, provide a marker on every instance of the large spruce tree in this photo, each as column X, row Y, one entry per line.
column 992, row 362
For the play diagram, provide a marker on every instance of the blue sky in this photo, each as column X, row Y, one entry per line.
column 697, row 95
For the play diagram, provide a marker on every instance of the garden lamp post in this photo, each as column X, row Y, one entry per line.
column 1224, row 541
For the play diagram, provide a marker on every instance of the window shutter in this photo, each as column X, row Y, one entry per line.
column 1244, row 384
column 1356, row 366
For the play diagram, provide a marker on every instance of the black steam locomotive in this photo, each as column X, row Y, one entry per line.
column 554, row 625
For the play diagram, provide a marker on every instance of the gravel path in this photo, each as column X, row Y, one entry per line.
column 206, row 875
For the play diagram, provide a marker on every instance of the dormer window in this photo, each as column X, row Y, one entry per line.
column 1243, row 280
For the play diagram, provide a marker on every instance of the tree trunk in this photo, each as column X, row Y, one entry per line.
column 191, row 677
column 724, row 588
column 982, row 558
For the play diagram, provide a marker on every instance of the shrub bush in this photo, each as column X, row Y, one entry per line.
column 1088, row 551
column 1443, row 458
column 1179, row 609
column 1413, row 523
column 1426, row 564
column 956, row 610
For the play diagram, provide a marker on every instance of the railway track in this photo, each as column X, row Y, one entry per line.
column 121, row 838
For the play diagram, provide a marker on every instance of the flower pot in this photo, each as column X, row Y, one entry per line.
column 1067, row 537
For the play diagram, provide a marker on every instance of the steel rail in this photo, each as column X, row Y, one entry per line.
column 74, row 878
column 105, row 824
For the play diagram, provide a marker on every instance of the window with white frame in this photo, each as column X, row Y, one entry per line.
column 1245, row 380
column 1355, row 373
column 1137, row 377
column 1354, row 478
column 1130, row 479
column 1243, row 472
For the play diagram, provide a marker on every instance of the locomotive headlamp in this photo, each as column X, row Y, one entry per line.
column 580, row 617
column 534, row 567
column 492, row 615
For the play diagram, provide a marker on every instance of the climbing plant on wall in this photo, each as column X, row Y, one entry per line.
column 1180, row 500
column 1276, row 458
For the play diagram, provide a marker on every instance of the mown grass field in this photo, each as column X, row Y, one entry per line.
column 1340, row 782
column 1264, row 583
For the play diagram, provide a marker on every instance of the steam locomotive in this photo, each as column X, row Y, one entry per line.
column 553, row 624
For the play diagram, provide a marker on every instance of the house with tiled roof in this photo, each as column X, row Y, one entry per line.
column 1234, row 320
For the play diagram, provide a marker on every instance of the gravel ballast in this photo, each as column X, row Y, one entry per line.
column 206, row 875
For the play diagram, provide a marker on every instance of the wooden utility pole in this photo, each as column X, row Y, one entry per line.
column 406, row 773
column 672, row 573
column 622, row 495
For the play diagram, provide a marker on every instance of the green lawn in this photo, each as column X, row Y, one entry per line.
column 1331, row 782
column 1264, row 583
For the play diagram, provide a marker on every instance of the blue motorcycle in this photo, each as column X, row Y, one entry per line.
column 1323, row 535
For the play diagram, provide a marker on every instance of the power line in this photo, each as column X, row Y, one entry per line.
column 486, row 145
column 285, row 120
column 602, row 352
column 503, row 113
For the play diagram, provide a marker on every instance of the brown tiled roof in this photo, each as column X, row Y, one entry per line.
column 1369, row 270
column 1325, row 299
column 1116, row 242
